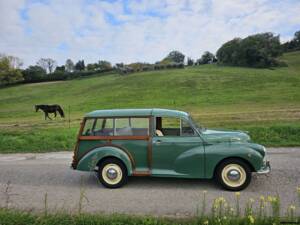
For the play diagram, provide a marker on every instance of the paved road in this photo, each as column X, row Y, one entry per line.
column 33, row 175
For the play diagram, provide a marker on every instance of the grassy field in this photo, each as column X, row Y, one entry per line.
column 266, row 102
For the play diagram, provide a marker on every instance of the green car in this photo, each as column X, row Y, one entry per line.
column 164, row 143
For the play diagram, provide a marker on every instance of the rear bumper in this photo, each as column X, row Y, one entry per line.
column 266, row 168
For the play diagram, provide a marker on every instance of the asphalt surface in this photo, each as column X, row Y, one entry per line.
column 31, row 176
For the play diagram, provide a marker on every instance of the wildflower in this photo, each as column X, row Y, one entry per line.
column 251, row 200
column 204, row 192
column 292, row 207
column 237, row 194
column 205, row 222
column 231, row 209
column 270, row 199
column 262, row 198
column 251, row 219
column 298, row 190
column 224, row 218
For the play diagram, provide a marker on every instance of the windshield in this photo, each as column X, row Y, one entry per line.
column 196, row 124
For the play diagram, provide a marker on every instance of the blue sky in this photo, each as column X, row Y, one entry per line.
column 135, row 30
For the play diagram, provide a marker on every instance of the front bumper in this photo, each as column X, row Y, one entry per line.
column 266, row 168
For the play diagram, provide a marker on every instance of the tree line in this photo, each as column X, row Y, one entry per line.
column 259, row 50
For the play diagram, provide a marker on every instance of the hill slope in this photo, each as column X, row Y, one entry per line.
column 256, row 99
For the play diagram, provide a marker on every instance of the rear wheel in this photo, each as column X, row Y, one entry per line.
column 233, row 174
column 112, row 173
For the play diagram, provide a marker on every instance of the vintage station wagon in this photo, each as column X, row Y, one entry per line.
column 164, row 143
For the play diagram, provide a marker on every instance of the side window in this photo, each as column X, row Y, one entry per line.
column 186, row 129
column 98, row 127
column 88, row 127
column 122, row 127
column 167, row 126
column 172, row 126
column 107, row 127
column 116, row 127
column 131, row 126
column 140, row 126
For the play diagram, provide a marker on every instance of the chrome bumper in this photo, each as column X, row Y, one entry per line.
column 265, row 169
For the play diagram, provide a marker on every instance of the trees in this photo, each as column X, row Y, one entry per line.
column 60, row 69
column 79, row 66
column 104, row 65
column 175, row 56
column 294, row 44
column 101, row 65
column 34, row 74
column 69, row 66
column 259, row 50
column 207, row 58
column 47, row 64
column 8, row 74
column 190, row 62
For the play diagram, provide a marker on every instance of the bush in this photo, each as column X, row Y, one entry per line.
column 8, row 74
column 258, row 50
column 34, row 74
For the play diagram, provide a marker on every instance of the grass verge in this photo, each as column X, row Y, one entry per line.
column 14, row 217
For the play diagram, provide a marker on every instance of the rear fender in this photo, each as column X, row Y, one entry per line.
column 89, row 161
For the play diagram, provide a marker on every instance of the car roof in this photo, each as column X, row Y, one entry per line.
column 137, row 112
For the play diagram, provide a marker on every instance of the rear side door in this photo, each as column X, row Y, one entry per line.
column 177, row 149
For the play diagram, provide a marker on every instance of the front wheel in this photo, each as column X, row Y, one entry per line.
column 233, row 174
column 112, row 173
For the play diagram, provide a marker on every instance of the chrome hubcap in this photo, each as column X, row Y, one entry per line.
column 233, row 175
column 111, row 173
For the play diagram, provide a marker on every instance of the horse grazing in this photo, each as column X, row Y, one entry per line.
column 50, row 109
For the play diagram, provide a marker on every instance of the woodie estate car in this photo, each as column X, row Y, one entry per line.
column 164, row 143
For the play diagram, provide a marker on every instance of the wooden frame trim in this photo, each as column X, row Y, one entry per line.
column 75, row 159
column 141, row 173
column 113, row 137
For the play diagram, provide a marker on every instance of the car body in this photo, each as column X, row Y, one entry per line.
column 119, row 143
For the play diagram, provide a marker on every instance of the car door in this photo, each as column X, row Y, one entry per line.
column 177, row 149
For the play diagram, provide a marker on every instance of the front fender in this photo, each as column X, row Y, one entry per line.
column 214, row 154
column 89, row 161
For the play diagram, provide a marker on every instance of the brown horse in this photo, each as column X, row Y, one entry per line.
column 50, row 109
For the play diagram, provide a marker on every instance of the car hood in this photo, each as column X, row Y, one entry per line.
column 224, row 136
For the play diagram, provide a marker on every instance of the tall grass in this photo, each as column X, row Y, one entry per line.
column 222, row 213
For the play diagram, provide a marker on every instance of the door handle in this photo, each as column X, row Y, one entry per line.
column 157, row 142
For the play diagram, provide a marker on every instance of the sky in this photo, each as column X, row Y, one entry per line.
column 135, row 30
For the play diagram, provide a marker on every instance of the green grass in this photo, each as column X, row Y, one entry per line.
column 266, row 102
column 13, row 217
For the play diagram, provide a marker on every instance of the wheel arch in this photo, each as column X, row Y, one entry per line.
column 91, row 159
column 230, row 158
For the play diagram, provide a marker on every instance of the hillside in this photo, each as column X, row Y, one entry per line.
column 264, row 101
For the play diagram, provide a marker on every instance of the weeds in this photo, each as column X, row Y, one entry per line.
column 222, row 213
column 7, row 194
column 82, row 197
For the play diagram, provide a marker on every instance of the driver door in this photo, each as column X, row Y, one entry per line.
column 177, row 149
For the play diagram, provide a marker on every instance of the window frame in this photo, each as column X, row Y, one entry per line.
column 196, row 134
column 118, row 137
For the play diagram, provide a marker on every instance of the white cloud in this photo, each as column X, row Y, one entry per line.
column 140, row 31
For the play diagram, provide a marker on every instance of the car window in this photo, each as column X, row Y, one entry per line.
column 88, row 126
column 140, row 126
column 131, row 126
column 186, row 129
column 116, row 127
column 169, row 126
column 107, row 127
column 172, row 126
column 122, row 127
